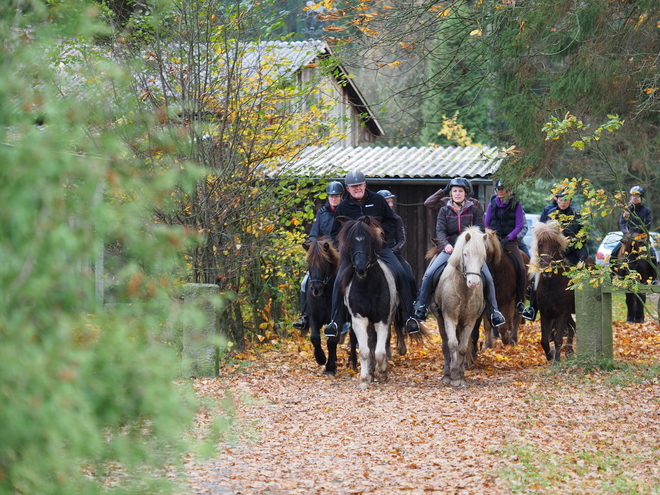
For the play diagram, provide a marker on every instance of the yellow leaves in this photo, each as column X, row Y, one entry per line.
column 332, row 28
column 650, row 91
column 476, row 32
column 407, row 46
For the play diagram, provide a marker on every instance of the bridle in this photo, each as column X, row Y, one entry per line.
column 369, row 263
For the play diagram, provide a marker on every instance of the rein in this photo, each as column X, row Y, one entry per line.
column 369, row 263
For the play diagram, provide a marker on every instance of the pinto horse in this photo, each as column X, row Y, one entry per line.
column 371, row 297
column 322, row 263
column 458, row 302
column 505, row 280
column 633, row 256
column 555, row 302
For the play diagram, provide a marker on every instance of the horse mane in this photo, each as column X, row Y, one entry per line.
column 364, row 226
column 321, row 251
column 493, row 247
column 543, row 233
column 467, row 240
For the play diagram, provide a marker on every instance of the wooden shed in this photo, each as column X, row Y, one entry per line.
column 412, row 174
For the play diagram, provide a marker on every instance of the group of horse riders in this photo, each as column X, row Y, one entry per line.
column 458, row 209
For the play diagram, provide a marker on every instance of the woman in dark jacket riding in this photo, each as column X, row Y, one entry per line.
column 506, row 216
column 453, row 218
column 322, row 226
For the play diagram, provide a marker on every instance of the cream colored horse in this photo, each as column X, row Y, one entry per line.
column 459, row 301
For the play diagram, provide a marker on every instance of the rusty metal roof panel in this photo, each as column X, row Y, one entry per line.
column 404, row 162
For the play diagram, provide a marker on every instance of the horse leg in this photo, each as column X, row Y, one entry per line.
column 462, row 355
column 360, row 326
column 445, row 351
column 630, row 306
column 381, row 353
column 560, row 330
column 546, row 332
column 331, row 364
column 570, row 336
column 315, row 338
column 474, row 343
column 352, row 356
column 640, row 303
column 456, row 374
column 488, row 334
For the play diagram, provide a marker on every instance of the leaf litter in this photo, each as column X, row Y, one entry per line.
column 519, row 426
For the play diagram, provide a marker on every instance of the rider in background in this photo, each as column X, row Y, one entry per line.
column 635, row 218
column 360, row 202
column 569, row 220
column 397, row 239
column 459, row 213
column 506, row 216
column 322, row 226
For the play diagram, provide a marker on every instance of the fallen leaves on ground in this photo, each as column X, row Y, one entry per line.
column 519, row 426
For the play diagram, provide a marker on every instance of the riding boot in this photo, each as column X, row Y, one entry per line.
column 529, row 313
column 426, row 288
column 496, row 318
column 303, row 324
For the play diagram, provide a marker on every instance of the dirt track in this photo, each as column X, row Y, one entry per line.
column 518, row 427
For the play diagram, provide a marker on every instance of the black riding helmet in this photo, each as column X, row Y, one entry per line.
column 461, row 182
column 334, row 187
column 354, row 178
column 637, row 190
column 386, row 194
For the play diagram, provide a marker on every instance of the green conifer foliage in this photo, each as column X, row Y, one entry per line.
column 88, row 401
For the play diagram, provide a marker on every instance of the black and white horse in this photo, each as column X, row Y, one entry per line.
column 371, row 297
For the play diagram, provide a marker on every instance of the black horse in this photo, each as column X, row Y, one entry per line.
column 633, row 255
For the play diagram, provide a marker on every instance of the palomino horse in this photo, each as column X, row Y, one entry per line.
column 505, row 280
column 555, row 303
column 458, row 302
column 633, row 256
column 322, row 263
column 370, row 295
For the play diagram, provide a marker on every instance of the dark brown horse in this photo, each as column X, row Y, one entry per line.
column 633, row 259
column 555, row 303
column 505, row 280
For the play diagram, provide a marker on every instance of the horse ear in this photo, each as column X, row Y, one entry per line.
column 467, row 237
column 306, row 245
column 326, row 246
column 367, row 220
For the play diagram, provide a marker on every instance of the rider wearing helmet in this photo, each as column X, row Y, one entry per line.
column 636, row 218
column 506, row 216
column 569, row 219
column 397, row 239
column 359, row 202
column 322, row 226
column 460, row 213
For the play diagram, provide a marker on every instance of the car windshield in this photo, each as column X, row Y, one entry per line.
column 611, row 239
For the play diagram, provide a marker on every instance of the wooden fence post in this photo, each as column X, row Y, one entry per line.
column 200, row 353
column 593, row 314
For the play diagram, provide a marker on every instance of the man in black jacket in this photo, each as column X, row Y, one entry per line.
column 359, row 202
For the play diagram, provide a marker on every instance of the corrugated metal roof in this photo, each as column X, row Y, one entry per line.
column 407, row 163
column 288, row 56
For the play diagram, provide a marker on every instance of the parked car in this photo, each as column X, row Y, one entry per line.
column 612, row 238
column 532, row 219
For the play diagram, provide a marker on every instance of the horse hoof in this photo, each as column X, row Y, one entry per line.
column 446, row 380
column 320, row 358
column 363, row 385
column 458, row 383
column 330, row 373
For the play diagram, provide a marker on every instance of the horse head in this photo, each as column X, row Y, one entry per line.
column 548, row 246
column 322, row 263
column 469, row 255
column 359, row 241
column 493, row 247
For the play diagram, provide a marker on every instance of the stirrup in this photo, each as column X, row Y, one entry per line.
column 421, row 313
column 412, row 326
column 497, row 319
column 300, row 324
column 520, row 307
column 529, row 313
column 331, row 329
